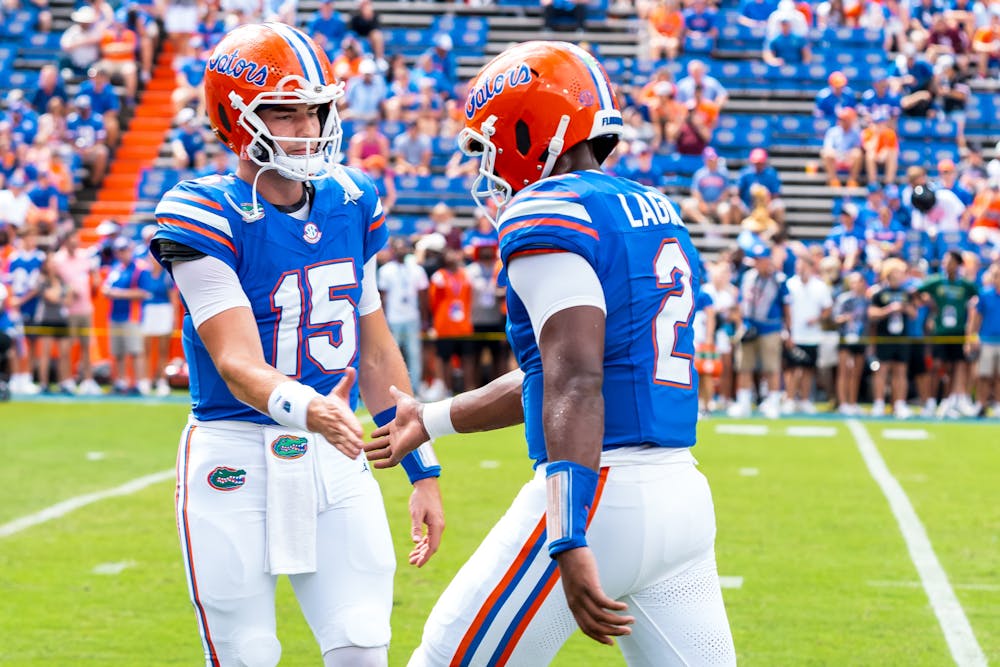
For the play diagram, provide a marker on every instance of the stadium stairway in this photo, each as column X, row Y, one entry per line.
column 140, row 144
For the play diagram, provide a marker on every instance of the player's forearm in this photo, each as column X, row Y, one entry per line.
column 493, row 406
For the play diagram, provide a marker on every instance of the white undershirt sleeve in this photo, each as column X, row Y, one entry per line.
column 552, row 282
column 370, row 298
column 209, row 286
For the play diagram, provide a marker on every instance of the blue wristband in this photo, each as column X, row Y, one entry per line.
column 418, row 464
column 571, row 488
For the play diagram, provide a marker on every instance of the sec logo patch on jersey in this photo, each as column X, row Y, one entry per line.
column 311, row 233
column 224, row 478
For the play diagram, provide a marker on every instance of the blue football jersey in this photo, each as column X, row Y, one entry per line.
column 303, row 279
column 25, row 269
column 643, row 255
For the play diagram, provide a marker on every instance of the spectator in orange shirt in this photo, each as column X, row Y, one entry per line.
column 986, row 43
column 118, row 49
column 665, row 26
column 881, row 147
column 347, row 64
column 450, row 300
column 666, row 114
column 986, row 214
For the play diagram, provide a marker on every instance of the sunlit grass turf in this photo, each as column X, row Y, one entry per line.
column 827, row 579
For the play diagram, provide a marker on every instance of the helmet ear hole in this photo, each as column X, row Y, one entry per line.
column 522, row 135
column 224, row 118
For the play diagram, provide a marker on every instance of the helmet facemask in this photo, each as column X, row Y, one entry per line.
column 322, row 152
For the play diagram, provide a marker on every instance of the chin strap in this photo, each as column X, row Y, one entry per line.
column 555, row 147
column 256, row 211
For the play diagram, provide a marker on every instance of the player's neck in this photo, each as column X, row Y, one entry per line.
column 578, row 158
column 272, row 187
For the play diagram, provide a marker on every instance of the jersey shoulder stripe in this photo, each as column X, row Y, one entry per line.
column 195, row 214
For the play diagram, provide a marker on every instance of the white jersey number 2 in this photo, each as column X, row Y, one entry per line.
column 312, row 302
column 673, row 278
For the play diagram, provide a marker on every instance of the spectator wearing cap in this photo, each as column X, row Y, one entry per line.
column 118, row 56
column 81, row 42
column 103, row 100
column 571, row 13
column 50, row 85
column 786, row 48
column 880, row 144
column 697, row 75
column 891, row 310
column 787, row 10
column 986, row 44
column 847, row 239
column 22, row 118
column 328, row 22
column 913, row 74
column 443, row 60
column 948, row 180
column 365, row 93
column 834, row 97
column 187, row 141
column 700, row 20
column 364, row 23
column 412, row 151
column 88, row 135
column 665, row 29
column 122, row 288
column 713, row 198
column 880, row 97
column 936, row 211
column 760, row 172
column 842, row 149
column 764, row 316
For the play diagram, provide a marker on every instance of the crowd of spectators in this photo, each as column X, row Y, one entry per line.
column 785, row 321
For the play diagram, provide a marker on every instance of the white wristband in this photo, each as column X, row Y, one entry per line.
column 437, row 419
column 289, row 404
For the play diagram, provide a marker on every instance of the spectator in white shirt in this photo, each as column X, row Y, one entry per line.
column 403, row 285
column 936, row 211
column 809, row 303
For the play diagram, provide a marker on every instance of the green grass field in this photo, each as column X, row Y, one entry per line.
column 826, row 575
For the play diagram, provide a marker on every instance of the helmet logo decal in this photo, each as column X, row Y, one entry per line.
column 230, row 64
column 586, row 98
column 482, row 94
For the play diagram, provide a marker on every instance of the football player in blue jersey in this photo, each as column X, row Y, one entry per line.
column 276, row 267
column 603, row 278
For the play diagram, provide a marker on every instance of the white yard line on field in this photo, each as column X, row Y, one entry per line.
column 65, row 507
column 957, row 632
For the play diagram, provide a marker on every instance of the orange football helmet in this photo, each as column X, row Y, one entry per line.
column 528, row 106
column 273, row 64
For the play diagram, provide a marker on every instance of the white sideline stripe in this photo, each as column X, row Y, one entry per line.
column 811, row 431
column 957, row 632
column 749, row 472
column 112, row 569
column 65, row 507
column 731, row 582
column 905, row 434
column 741, row 429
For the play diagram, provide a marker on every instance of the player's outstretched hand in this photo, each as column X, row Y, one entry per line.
column 427, row 511
column 390, row 443
column 592, row 609
column 331, row 416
